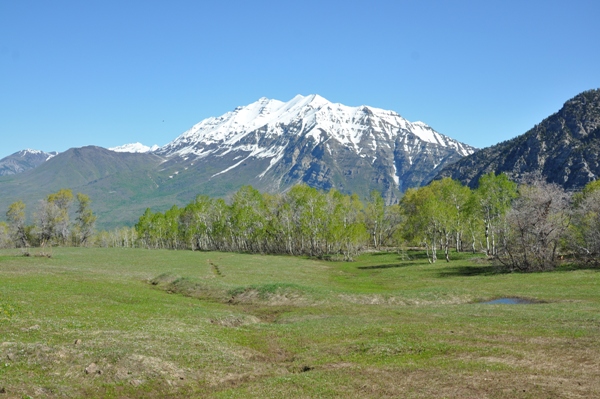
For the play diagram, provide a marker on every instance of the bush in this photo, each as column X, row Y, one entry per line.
column 534, row 228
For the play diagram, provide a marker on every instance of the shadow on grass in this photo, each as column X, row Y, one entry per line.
column 480, row 270
column 486, row 270
column 568, row 267
column 389, row 266
column 417, row 255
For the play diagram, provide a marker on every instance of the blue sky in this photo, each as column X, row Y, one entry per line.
column 75, row 73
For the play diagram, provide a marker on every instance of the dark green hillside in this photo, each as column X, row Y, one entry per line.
column 564, row 148
column 122, row 185
column 116, row 182
column 187, row 178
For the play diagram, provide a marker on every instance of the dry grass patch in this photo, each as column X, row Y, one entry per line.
column 381, row 299
column 235, row 320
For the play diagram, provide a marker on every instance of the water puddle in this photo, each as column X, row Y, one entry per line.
column 511, row 301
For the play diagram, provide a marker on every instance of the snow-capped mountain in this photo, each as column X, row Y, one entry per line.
column 274, row 144
column 24, row 160
column 349, row 126
column 134, row 148
column 269, row 144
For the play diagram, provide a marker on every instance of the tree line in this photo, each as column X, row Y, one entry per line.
column 302, row 221
column 529, row 226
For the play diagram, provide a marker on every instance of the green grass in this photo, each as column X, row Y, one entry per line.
column 222, row 325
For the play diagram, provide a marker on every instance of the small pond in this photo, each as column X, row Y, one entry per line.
column 511, row 301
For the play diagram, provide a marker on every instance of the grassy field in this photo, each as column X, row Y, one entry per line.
column 139, row 323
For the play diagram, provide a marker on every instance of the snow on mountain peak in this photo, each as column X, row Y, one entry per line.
column 310, row 116
column 134, row 148
column 30, row 151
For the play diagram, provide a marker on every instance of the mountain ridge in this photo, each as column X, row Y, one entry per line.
column 265, row 112
column 563, row 148
column 290, row 140
column 24, row 160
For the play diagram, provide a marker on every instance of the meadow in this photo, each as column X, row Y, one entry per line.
column 125, row 323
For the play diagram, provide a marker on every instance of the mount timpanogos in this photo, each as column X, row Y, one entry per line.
column 273, row 145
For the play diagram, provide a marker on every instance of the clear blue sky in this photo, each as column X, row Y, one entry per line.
column 105, row 72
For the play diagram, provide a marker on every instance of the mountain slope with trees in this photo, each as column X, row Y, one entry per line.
column 564, row 148
column 121, row 184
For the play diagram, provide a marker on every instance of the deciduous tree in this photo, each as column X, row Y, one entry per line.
column 85, row 219
column 54, row 216
column 375, row 216
column 494, row 196
column 535, row 225
column 16, row 224
column 584, row 234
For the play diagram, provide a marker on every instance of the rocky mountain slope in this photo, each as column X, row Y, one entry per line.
column 564, row 148
column 24, row 160
column 273, row 145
